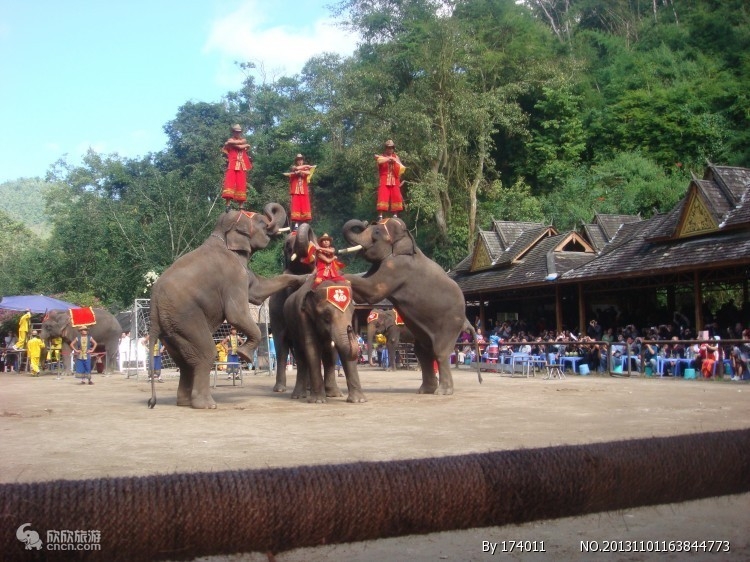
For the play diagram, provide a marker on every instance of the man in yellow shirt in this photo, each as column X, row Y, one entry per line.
column 23, row 329
column 35, row 345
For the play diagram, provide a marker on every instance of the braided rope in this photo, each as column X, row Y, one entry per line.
column 272, row 510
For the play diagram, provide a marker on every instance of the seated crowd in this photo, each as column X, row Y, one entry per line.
column 670, row 357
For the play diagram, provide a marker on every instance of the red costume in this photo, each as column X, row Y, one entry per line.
column 327, row 266
column 238, row 165
column 299, row 192
column 389, row 189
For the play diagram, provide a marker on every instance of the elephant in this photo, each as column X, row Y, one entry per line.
column 390, row 324
column 319, row 325
column 208, row 285
column 296, row 247
column 431, row 303
column 106, row 332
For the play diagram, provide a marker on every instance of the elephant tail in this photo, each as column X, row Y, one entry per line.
column 469, row 328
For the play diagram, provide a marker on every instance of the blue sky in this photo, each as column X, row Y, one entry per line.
column 82, row 74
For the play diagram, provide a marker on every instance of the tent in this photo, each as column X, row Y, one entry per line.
column 36, row 303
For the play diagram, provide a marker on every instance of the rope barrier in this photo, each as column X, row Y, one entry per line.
column 272, row 510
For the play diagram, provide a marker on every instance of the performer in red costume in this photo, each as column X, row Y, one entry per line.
column 238, row 165
column 389, row 189
column 327, row 266
column 299, row 190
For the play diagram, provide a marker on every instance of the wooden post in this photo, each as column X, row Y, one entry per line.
column 697, row 302
column 581, row 310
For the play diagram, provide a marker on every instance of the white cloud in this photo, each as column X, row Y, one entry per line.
column 246, row 35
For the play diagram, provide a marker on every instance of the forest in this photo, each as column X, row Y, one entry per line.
column 540, row 110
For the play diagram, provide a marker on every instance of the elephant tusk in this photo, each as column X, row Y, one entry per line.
column 294, row 256
column 285, row 229
column 333, row 344
column 351, row 249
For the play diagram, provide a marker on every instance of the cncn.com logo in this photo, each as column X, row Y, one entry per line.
column 59, row 539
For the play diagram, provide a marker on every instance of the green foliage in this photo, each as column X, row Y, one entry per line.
column 22, row 200
column 535, row 111
column 512, row 203
column 628, row 183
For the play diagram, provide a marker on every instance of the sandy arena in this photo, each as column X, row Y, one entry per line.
column 55, row 428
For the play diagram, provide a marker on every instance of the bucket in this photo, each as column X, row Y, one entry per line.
column 617, row 369
column 689, row 373
column 649, row 371
column 583, row 369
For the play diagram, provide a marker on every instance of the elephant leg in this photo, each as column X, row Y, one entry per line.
column 446, row 376
column 329, row 374
column 425, row 358
column 302, row 384
column 251, row 330
column 195, row 370
column 356, row 396
column 312, row 358
column 282, row 350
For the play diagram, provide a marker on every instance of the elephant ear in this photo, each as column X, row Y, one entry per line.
column 405, row 245
column 240, row 232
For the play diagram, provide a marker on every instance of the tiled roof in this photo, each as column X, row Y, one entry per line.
column 533, row 268
column 708, row 228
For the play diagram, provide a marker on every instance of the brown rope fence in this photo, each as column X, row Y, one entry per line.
column 179, row 516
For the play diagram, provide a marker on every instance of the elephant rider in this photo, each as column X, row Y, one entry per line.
column 389, row 174
column 239, row 163
column 299, row 176
column 327, row 266
column 83, row 346
column 232, row 343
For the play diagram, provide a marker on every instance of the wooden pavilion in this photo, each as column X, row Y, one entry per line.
column 622, row 268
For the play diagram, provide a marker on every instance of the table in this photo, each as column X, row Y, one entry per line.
column 572, row 359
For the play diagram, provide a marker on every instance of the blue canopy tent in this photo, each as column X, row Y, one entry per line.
column 35, row 303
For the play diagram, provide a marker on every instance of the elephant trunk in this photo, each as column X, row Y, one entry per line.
column 276, row 216
column 346, row 344
column 354, row 231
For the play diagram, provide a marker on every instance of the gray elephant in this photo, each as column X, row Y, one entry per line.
column 208, row 285
column 296, row 247
column 106, row 332
column 391, row 325
column 431, row 303
column 319, row 325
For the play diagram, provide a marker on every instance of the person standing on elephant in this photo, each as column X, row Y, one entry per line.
column 83, row 346
column 35, row 346
column 23, row 329
column 239, row 163
column 327, row 266
column 232, row 343
column 389, row 187
column 300, row 175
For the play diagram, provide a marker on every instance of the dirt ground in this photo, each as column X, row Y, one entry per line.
column 54, row 428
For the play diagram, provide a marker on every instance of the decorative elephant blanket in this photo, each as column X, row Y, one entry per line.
column 82, row 317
